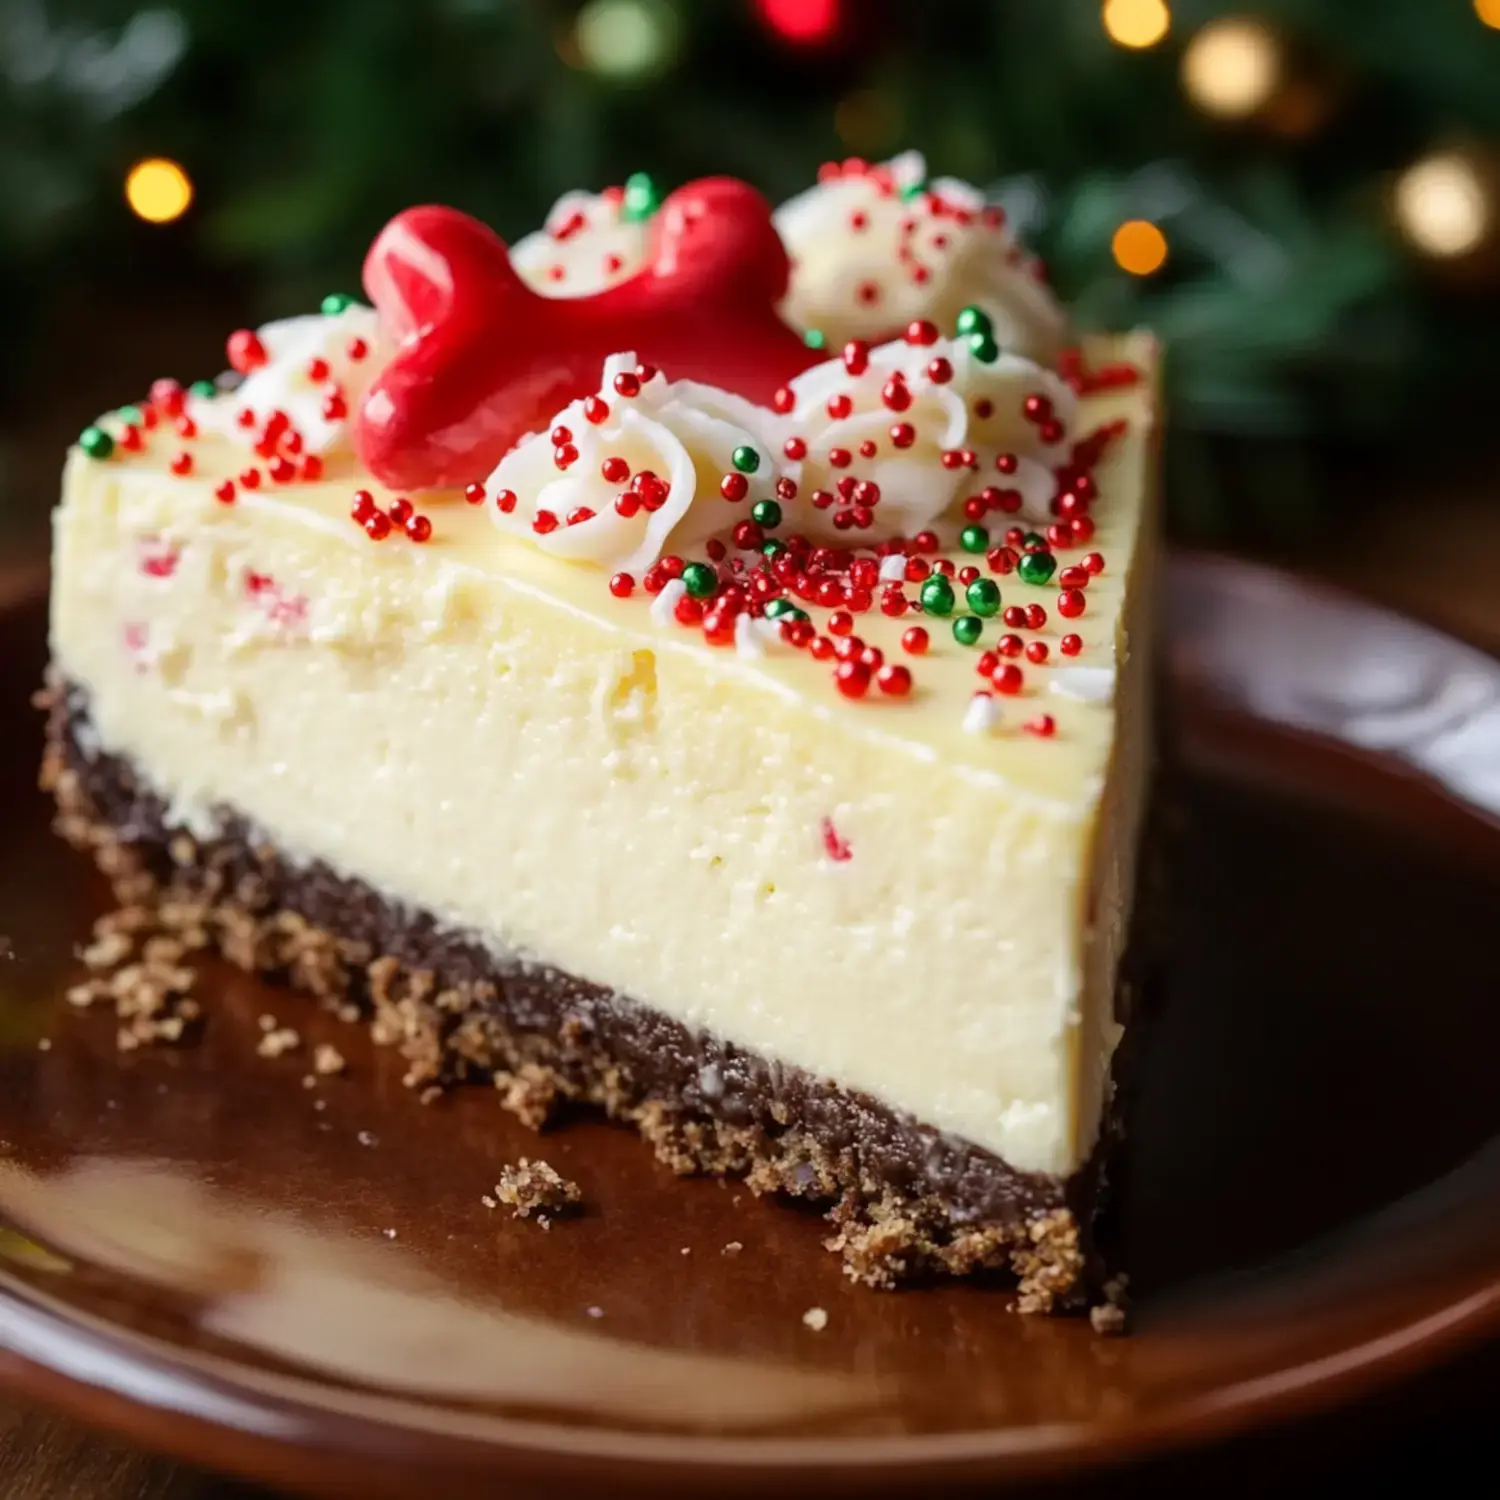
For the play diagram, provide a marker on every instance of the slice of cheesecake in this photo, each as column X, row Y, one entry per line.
column 632, row 774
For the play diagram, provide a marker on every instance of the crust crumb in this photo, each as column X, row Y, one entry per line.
column 532, row 1187
column 328, row 1060
column 816, row 1318
column 279, row 1042
column 732, row 1249
column 136, row 969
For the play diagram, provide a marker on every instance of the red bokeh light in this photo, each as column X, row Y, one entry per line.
column 807, row 22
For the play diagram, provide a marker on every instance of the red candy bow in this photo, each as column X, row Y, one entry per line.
column 482, row 360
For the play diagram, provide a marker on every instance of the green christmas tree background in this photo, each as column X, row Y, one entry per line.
column 1331, row 313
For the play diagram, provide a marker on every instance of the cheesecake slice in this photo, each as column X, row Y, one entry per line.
column 768, row 770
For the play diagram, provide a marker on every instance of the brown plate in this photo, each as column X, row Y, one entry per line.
column 300, row 1282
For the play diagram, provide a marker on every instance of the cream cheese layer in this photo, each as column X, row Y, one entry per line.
column 868, row 890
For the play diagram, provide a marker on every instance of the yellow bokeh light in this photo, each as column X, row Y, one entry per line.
column 158, row 190
column 1136, row 23
column 1488, row 11
column 1139, row 247
column 1231, row 67
column 1442, row 205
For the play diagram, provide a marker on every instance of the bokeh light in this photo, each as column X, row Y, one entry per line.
column 625, row 39
column 1136, row 23
column 1231, row 67
column 1442, row 205
column 1488, row 11
column 807, row 22
column 158, row 190
column 1139, row 247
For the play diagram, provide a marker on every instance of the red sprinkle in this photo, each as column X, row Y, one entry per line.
column 627, row 384
column 894, row 680
column 1037, row 651
column 224, row 493
column 378, row 526
column 182, row 463
column 250, row 479
column 419, row 528
column 1008, row 679
column 401, row 510
column 734, row 487
column 1070, row 645
column 614, row 470
column 595, row 409
column 474, row 494
column 915, row 640
column 245, row 351
column 1044, row 726
column 1071, row 603
column 505, row 501
column 363, row 507
column 312, row 467
column 852, row 678
column 543, row 522
column 622, row 585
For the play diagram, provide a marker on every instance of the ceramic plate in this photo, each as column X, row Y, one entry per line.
column 203, row 1250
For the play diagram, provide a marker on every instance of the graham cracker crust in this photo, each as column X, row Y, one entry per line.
column 905, row 1201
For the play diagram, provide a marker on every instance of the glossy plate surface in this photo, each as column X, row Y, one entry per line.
column 302, row 1282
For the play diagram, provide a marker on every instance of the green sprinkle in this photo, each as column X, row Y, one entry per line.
column 1033, row 539
column 794, row 614
column 983, row 347
column 973, row 319
column 642, row 197
column 974, row 539
column 1036, row 567
column 766, row 513
column 936, row 595
column 815, row 338
column 967, row 629
column 772, row 547
column 204, row 388
column 913, row 190
column 983, row 596
column 335, row 303
column 745, row 459
column 701, row 580
column 776, row 608
column 96, row 442
column 130, row 415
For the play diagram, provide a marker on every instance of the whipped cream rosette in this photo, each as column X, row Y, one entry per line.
column 874, row 247
column 916, row 403
column 313, row 370
column 586, row 244
column 619, row 480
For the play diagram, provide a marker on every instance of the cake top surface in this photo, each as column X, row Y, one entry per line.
column 922, row 531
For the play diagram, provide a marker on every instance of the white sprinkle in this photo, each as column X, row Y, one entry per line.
column 1086, row 684
column 594, row 1312
column 982, row 714
column 665, row 603
column 816, row 1318
column 747, row 641
column 893, row 568
column 366, row 1138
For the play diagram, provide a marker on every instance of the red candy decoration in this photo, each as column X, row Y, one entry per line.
column 482, row 359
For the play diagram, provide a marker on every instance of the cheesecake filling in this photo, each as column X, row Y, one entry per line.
column 867, row 891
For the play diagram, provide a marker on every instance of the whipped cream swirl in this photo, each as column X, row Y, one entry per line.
column 317, row 370
column 943, row 399
column 630, row 477
column 585, row 245
column 874, row 247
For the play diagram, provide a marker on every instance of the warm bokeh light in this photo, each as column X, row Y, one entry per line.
column 624, row 38
column 1488, row 11
column 806, row 21
column 1442, row 205
column 1231, row 67
column 158, row 190
column 1136, row 23
column 1139, row 247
